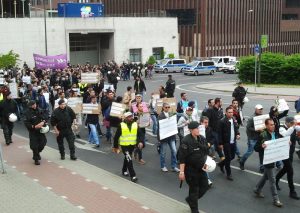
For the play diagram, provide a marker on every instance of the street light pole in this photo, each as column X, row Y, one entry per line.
column 23, row 2
column 261, row 10
column 2, row 9
column 45, row 26
column 15, row 7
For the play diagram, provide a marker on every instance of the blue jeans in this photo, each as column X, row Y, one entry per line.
column 251, row 144
column 93, row 136
column 163, row 151
column 154, row 126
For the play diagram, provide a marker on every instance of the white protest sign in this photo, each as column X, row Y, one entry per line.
column 276, row 150
column 259, row 121
column 186, row 131
column 76, row 104
column 117, row 109
column 108, row 87
column 13, row 88
column 202, row 130
column 47, row 96
column 90, row 109
column 282, row 105
column 168, row 127
column 1, row 81
column 90, row 77
column 144, row 120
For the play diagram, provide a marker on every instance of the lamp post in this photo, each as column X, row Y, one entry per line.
column 23, row 8
column 29, row 9
column 45, row 26
column 15, row 7
column 261, row 10
column 2, row 9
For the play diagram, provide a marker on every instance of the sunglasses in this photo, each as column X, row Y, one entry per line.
column 167, row 107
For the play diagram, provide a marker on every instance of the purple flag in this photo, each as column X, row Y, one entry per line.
column 52, row 62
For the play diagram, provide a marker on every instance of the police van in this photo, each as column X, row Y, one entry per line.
column 200, row 67
column 221, row 61
column 169, row 65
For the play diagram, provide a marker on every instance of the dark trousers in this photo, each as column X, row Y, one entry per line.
column 37, row 144
column 229, row 152
column 7, row 130
column 216, row 144
column 198, row 185
column 69, row 135
column 127, row 164
column 138, row 151
column 287, row 169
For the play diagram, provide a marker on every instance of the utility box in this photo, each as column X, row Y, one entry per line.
column 84, row 10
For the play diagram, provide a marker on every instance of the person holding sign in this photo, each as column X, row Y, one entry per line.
column 288, row 130
column 127, row 135
column 268, row 134
column 192, row 155
column 183, row 122
column 228, row 135
column 167, row 141
column 92, row 121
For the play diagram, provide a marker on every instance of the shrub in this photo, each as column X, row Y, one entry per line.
column 8, row 60
column 151, row 60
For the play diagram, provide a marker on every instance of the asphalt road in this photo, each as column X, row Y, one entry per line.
column 224, row 196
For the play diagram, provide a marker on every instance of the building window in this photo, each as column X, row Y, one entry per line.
column 289, row 16
column 185, row 17
column 135, row 55
column 158, row 52
column 83, row 44
column 292, row 3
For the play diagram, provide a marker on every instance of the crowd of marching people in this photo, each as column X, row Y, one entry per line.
column 127, row 133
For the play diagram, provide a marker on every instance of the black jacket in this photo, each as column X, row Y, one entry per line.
column 139, row 88
column 264, row 136
column 277, row 117
column 239, row 94
column 32, row 118
column 63, row 118
column 170, row 86
column 92, row 119
column 224, row 131
column 193, row 153
column 7, row 107
column 214, row 116
column 250, row 129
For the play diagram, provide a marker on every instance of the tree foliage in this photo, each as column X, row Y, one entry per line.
column 8, row 60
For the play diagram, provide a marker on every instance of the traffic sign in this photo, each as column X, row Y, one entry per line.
column 256, row 50
column 264, row 41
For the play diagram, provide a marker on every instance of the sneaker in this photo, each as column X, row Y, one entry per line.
column 97, row 146
column 258, row 194
column 242, row 166
column 277, row 203
column 126, row 174
column 134, row 179
column 229, row 177
column 210, row 183
column 294, row 195
column 175, row 169
column 164, row 169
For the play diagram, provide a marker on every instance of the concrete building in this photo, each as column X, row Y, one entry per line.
column 222, row 27
column 92, row 39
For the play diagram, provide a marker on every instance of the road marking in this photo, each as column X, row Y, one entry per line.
column 61, row 167
column 80, row 207
column 87, row 180
column 49, row 161
column 104, row 188
column 36, row 180
column 13, row 167
column 49, row 188
column 24, row 173
column 64, row 197
column 145, row 207
column 123, row 197
column 258, row 174
column 73, row 173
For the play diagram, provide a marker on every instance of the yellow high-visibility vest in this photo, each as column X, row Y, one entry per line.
column 81, row 87
column 128, row 137
column 1, row 97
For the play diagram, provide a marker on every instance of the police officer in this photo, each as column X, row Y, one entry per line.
column 62, row 119
column 34, row 121
column 7, row 107
column 127, row 135
column 192, row 155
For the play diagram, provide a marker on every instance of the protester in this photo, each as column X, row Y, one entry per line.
column 139, row 86
column 239, row 94
column 170, row 87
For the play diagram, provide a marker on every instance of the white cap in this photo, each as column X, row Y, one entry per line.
column 259, row 106
column 127, row 114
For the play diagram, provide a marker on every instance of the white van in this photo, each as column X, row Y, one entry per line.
column 221, row 61
column 169, row 65
column 200, row 67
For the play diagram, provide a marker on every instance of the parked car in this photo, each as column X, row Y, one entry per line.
column 231, row 67
column 200, row 67
column 169, row 65
column 221, row 61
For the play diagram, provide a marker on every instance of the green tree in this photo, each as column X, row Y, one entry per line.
column 151, row 60
column 171, row 55
column 9, row 60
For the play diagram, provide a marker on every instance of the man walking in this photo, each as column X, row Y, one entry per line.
column 170, row 87
column 268, row 134
column 127, row 135
column 239, row 94
column 252, row 136
column 34, row 122
column 62, row 119
column 139, row 86
column 228, row 134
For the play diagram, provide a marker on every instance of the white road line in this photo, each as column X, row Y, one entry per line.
column 36, row 180
column 123, row 197
column 258, row 174
column 13, row 167
column 87, row 180
column 207, row 93
column 24, row 173
column 145, row 207
column 73, row 173
column 64, row 197
column 104, row 188
column 80, row 207
column 49, row 188
column 61, row 167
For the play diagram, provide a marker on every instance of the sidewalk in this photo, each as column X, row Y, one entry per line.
column 58, row 186
column 290, row 93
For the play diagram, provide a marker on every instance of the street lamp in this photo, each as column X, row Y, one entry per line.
column 45, row 26
column 1, row 8
column 15, row 7
column 23, row 1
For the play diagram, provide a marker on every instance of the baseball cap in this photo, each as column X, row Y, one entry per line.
column 127, row 114
column 193, row 125
column 259, row 106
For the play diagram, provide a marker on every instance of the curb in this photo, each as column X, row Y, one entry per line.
column 255, row 93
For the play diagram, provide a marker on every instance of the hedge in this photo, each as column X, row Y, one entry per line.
column 276, row 68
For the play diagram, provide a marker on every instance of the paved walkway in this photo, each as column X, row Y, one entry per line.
column 66, row 186
column 288, row 93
